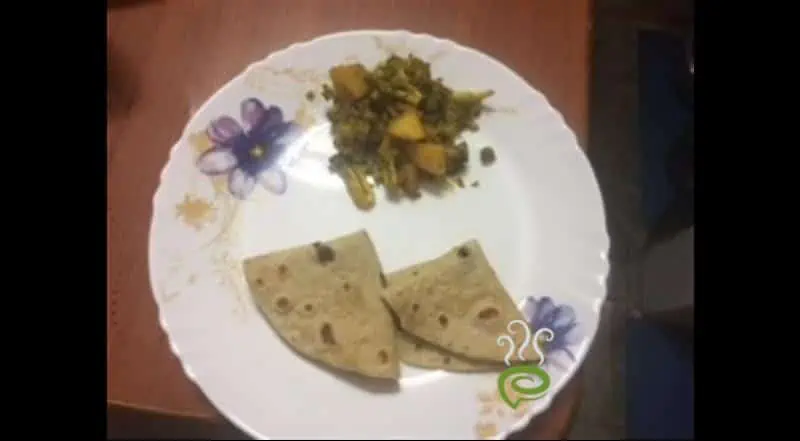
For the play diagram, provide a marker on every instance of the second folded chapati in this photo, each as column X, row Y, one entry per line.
column 456, row 303
column 417, row 352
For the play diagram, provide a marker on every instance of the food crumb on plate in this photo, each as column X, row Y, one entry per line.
column 488, row 156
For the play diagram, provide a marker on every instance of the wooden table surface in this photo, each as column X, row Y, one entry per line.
column 167, row 57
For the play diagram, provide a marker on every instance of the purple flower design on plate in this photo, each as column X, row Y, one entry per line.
column 544, row 313
column 249, row 154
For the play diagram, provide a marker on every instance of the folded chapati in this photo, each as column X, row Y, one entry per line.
column 417, row 352
column 324, row 300
column 456, row 302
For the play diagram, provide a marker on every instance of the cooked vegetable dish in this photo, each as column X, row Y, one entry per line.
column 399, row 126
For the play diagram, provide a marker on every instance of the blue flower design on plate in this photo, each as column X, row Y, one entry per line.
column 561, row 319
column 249, row 154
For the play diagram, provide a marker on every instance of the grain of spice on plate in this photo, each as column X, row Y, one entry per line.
column 488, row 156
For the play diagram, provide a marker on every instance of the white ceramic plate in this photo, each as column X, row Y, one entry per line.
column 537, row 213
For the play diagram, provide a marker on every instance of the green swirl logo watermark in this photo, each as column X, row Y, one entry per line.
column 537, row 379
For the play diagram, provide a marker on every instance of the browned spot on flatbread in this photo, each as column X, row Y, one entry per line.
column 283, row 305
column 488, row 313
column 327, row 334
column 325, row 253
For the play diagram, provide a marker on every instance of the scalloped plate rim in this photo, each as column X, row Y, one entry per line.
column 590, row 333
